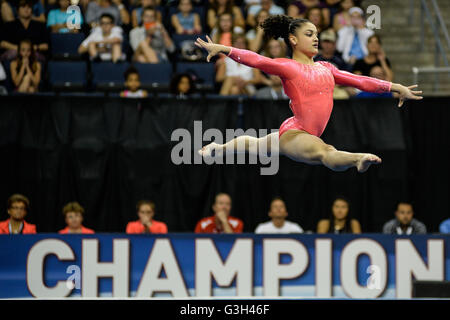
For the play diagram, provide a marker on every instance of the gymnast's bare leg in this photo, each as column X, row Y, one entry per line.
column 297, row 145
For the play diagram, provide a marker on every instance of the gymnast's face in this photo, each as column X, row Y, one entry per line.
column 305, row 40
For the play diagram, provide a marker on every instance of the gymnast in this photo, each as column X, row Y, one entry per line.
column 309, row 85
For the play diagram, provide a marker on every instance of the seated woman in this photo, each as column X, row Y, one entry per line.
column 73, row 215
column 375, row 57
column 186, row 21
column 339, row 221
column 25, row 70
column 236, row 78
column 136, row 14
column 255, row 36
column 217, row 7
column 342, row 18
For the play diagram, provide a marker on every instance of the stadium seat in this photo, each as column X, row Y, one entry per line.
column 67, row 75
column 65, row 45
column 108, row 75
column 154, row 76
column 203, row 74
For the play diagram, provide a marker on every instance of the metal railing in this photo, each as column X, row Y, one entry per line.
column 437, row 26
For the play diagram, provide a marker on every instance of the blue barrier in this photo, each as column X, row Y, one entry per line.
column 189, row 265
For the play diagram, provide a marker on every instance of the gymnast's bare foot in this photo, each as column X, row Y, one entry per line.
column 366, row 160
column 210, row 150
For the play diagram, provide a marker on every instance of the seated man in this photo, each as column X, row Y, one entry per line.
column 404, row 223
column 73, row 215
column 146, row 224
column 105, row 42
column 221, row 221
column 278, row 222
column 24, row 27
column 18, row 206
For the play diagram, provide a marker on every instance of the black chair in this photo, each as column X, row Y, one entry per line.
column 67, row 75
column 64, row 46
column 154, row 77
column 108, row 76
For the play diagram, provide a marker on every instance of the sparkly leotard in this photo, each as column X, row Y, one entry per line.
column 310, row 87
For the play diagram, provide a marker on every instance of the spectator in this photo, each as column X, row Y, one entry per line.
column 328, row 53
column 57, row 18
column 182, row 85
column 342, row 18
column 333, row 7
column 236, row 78
column 18, row 207
column 186, row 21
column 375, row 57
column 376, row 72
column 73, row 215
column 298, row 8
column 255, row 36
column 132, row 84
column 146, row 223
column 223, row 33
column 24, row 28
column 444, row 227
column 97, row 8
column 352, row 40
column 274, row 88
column 25, row 70
column 328, row 50
column 218, row 7
column 9, row 11
column 278, row 222
column 315, row 15
column 340, row 220
column 404, row 223
column 105, row 42
column 267, row 5
column 136, row 14
column 151, row 42
column 221, row 221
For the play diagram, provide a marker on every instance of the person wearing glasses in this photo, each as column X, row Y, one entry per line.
column 105, row 42
column 18, row 206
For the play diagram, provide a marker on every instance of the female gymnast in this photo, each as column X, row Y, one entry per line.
column 309, row 85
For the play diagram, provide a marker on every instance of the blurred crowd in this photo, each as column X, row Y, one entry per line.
column 164, row 31
column 341, row 220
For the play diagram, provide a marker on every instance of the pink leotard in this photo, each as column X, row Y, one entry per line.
column 310, row 87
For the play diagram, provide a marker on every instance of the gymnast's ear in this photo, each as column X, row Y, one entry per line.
column 293, row 40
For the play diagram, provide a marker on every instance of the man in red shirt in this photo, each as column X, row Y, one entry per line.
column 18, row 206
column 221, row 221
column 73, row 214
column 146, row 224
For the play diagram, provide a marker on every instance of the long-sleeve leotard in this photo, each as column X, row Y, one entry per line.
column 309, row 87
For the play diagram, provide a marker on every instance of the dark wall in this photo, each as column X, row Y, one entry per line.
column 108, row 153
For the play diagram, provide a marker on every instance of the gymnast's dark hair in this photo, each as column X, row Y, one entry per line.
column 281, row 26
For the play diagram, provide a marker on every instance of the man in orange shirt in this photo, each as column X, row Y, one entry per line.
column 221, row 221
column 146, row 224
column 18, row 206
column 73, row 214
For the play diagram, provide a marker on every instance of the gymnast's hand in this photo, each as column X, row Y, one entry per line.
column 405, row 93
column 211, row 47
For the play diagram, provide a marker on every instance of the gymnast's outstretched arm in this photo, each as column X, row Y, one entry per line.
column 370, row 84
column 282, row 67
